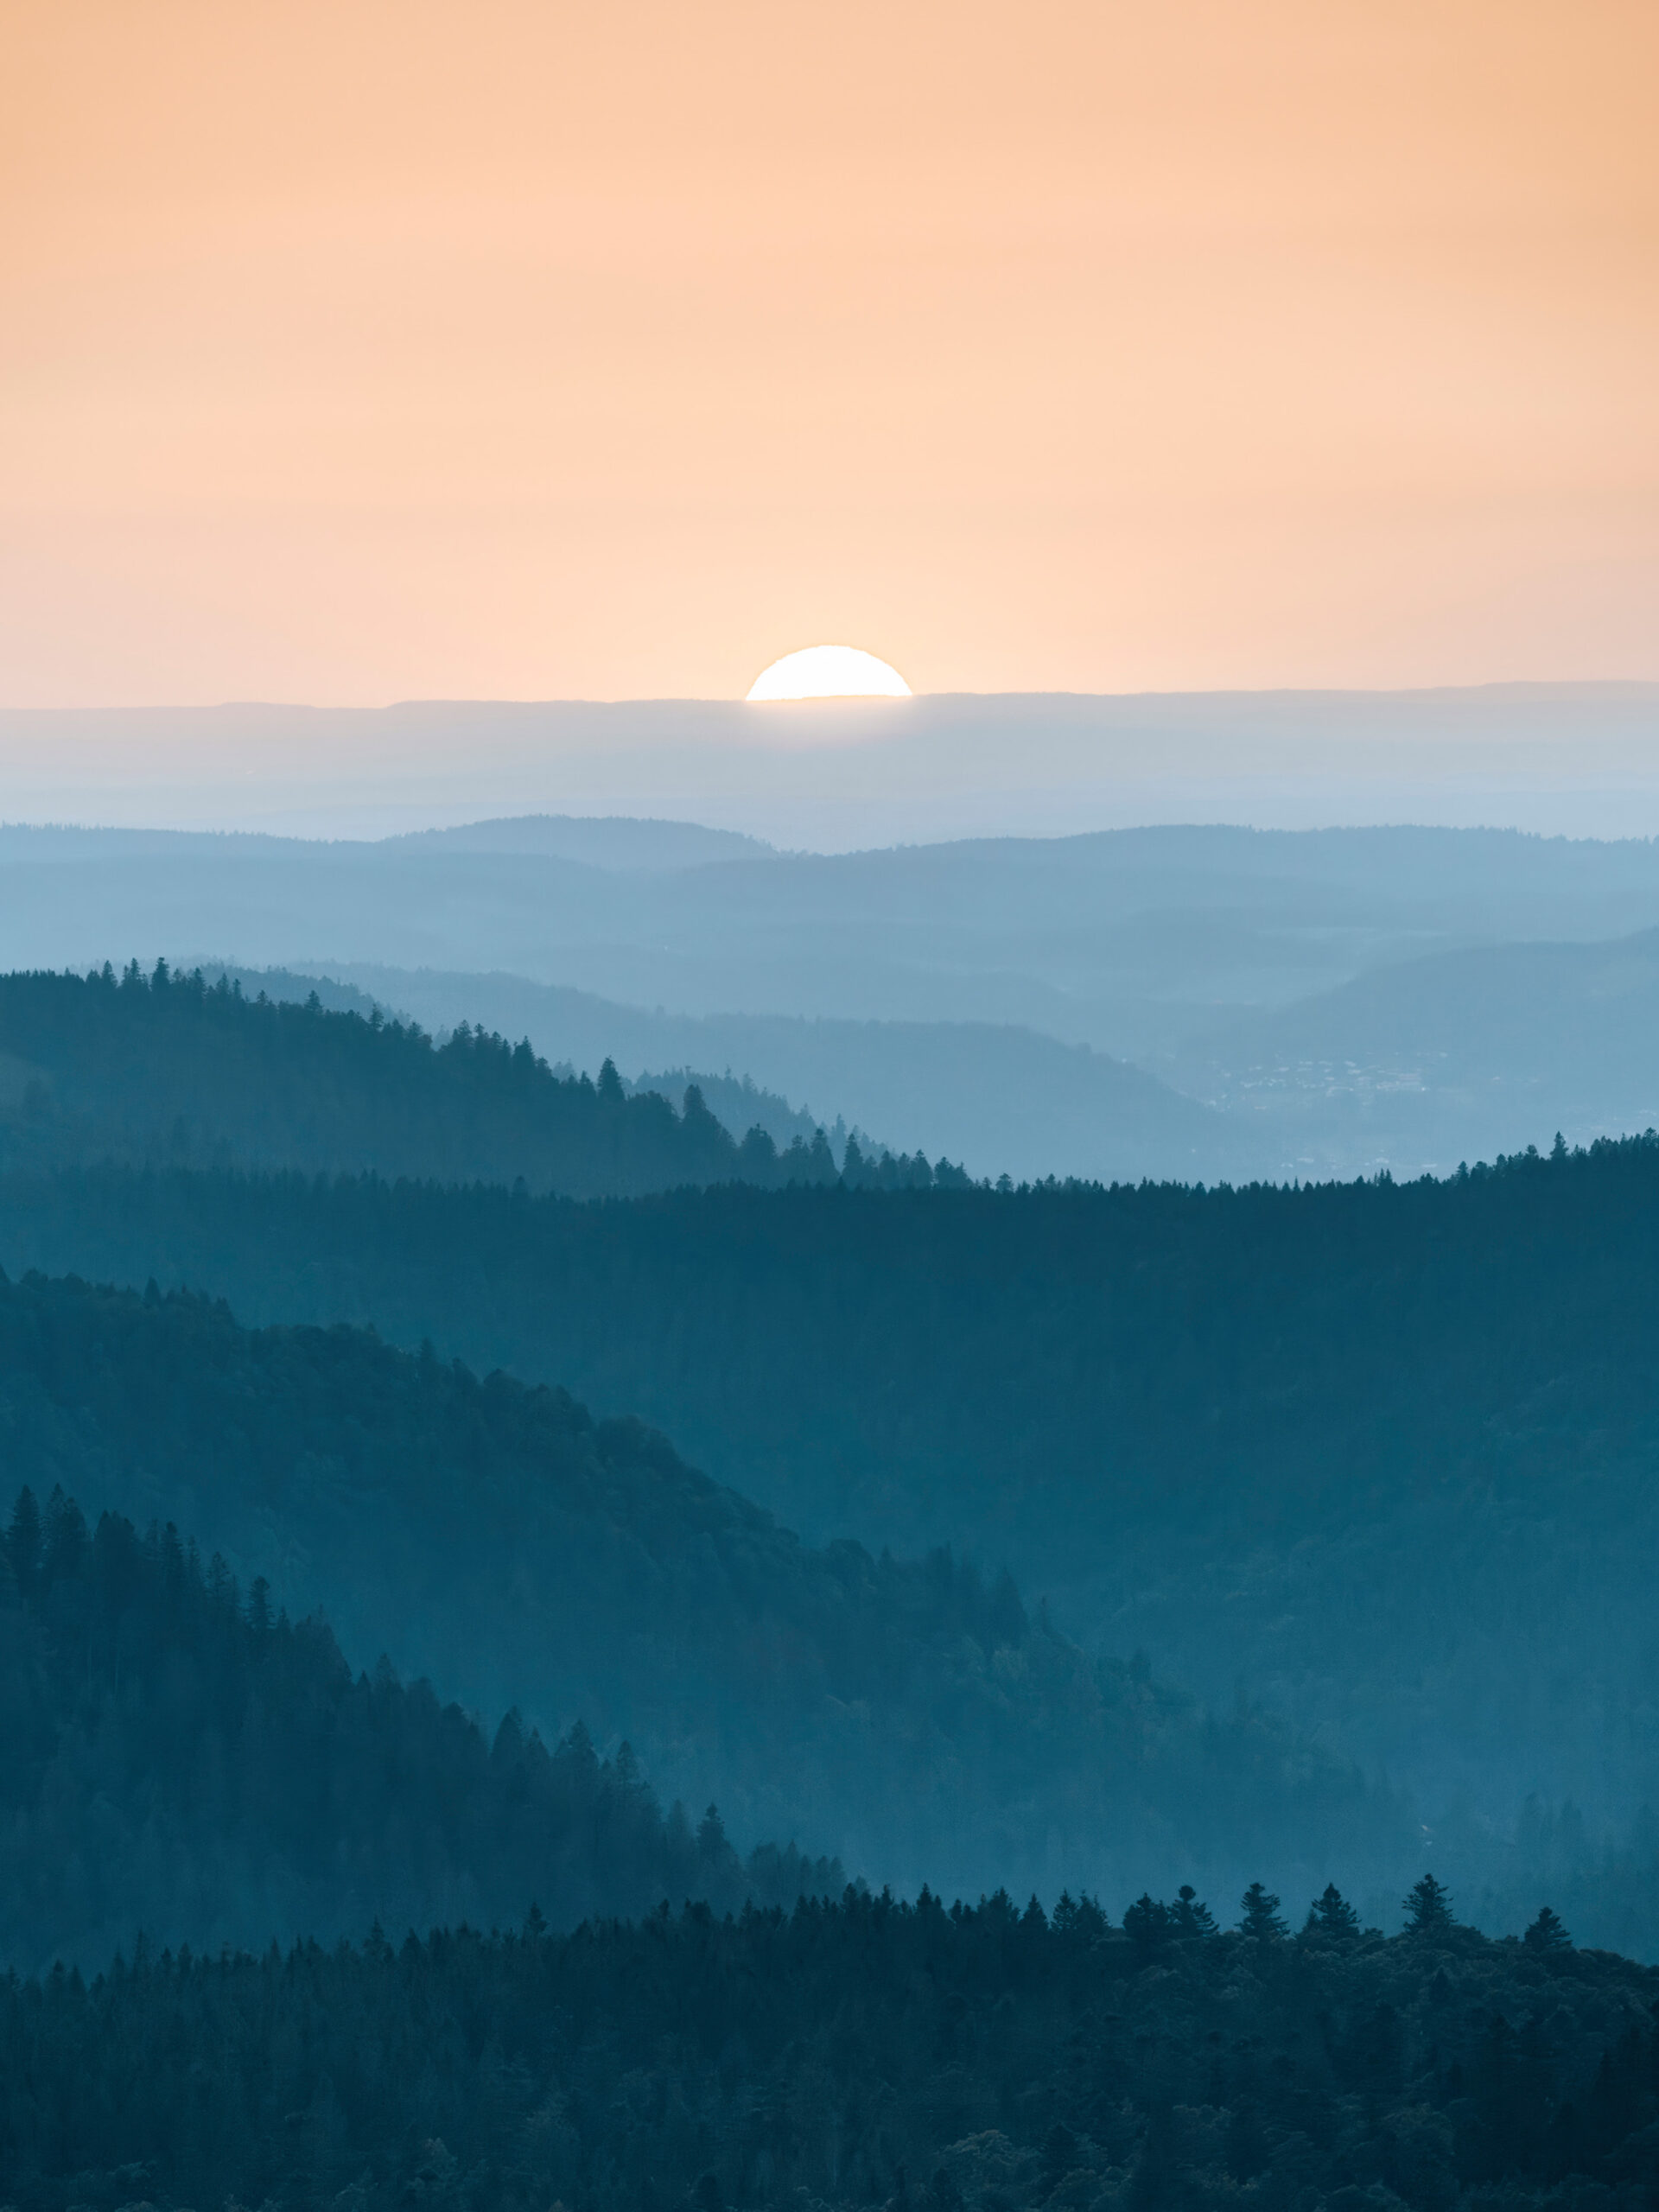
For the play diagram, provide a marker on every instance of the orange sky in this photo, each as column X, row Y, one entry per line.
column 356, row 351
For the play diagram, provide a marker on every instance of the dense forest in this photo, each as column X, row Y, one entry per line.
column 1346, row 1446
column 1291, row 1477
column 496, row 1539
column 858, row 2053
column 184, row 1759
column 171, row 1069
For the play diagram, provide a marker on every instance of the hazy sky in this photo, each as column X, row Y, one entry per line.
column 356, row 351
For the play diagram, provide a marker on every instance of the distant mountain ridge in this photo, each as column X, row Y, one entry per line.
column 1128, row 941
column 999, row 1099
column 625, row 844
column 1451, row 1057
column 987, row 962
column 1459, row 1055
column 1576, row 756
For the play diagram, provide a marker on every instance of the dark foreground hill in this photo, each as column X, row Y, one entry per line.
column 170, row 1069
column 182, row 1761
column 1380, row 1457
column 861, row 2054
column 497, row 1539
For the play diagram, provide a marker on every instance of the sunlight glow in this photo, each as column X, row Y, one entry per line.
column 829, row 672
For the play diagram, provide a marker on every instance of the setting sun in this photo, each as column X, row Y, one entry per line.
column 829, row 672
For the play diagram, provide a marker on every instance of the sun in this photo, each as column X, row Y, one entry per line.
column 829, row 672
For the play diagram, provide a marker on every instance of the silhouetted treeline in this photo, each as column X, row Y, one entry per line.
column 181, row 1758
column 499, row 1540
column 864, row 2053
column 172, row 1069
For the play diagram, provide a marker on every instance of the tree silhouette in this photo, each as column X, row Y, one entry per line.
column 1547, row 1933
column 1330, row 1913
column 1260, row 1918
column 1428, row 1908
column 1189, row 1916
column 1147, row 1922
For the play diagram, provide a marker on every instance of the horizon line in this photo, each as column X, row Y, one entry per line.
column 1633, row 685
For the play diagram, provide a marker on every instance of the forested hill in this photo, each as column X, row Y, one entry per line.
column 183, row 1760
column 494, row 1537
column 170, row 1069
column 861, row 2054
column 1383, row 1455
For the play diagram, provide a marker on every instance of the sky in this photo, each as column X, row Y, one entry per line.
column 361, row 352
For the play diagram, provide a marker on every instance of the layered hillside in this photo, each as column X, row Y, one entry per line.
column 995, row 1096
column 1379, row 1457
column 171, row 1069
column 184, row 1761
column 1449, row 1058
column 1131, row 941
column 496, row 1538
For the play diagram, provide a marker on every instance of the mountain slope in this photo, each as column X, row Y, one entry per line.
column 736, row 1103
column 626, row 844
column 168, row 1068
column 1448, row 1058
column 1379, row 1456
column 1129, row 941
column 497, row 1539
column 999, row 1098
column 204, row 1772
column 1139, row 944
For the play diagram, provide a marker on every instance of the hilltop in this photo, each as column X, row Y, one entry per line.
column 172, row 1069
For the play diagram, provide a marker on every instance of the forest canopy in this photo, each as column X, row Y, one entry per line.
column 183, row 1759
column 1293, row 1477
column 1340, row 1450
column 862, row 2052
column 495, row 1538
column 179, row 1069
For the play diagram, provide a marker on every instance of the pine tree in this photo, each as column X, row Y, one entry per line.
column 1547, row 1933
column 1330, row 1913
column 1191, row 1917
column 1428, row 1908
column 1261, row 1919
column 1147, row 1922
